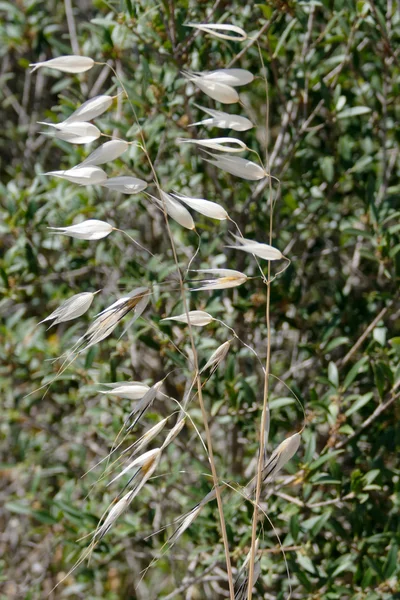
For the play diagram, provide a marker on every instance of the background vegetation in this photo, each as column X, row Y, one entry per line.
column 334, row 79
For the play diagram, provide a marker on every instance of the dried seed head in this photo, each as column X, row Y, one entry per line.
column 78, row 133
column 226, row 278
column 175, row 210
column 224, row 120
column 133, row 390
column 217, row 357
column 204, row 207
column 241, row 167
column 105, row 153
column 90, row 109
column 125, row 184
column 221, row 92
column 92, row 229
column 236, row 34
column 66, row 64
column 281, row 455
column 224, row 144
column 261, row 250
column 81, row 175
column 72, row 308
column 198, row 318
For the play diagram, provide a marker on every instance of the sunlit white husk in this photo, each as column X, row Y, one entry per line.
column 81, row 175
column 232, row 77
column 113, row 514
column 224, row 144
column 148, row 457
column 281, row 455
column 189, row 517
column 66, row 64
column 134, row 390
column 217, row 357
column 204, row 207
column 199, row 318
column 175, row 210
column 221, row 30
column 78, row 133
column 72, row 308
column 226, row 278
column 220, row 92
column 90, row 109
column 264, row 251
column 241, row 167
column 125, row 184
column 144, row 404
column 224, row 120
column 111, row 316
column 105, row 153
column 92, row 229
column 174, row 432
column 147, row 437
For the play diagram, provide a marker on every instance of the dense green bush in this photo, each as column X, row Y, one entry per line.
column 333, row 142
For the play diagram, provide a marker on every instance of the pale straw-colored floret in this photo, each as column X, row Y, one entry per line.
column 92, row 229
column 82, row 175
column 223, row 120
column 204, row 207
column 223, row 31
column 241, row 167
column 198, row 318
column 223, row 144
column 264, row 251
column 72, row 308
column 66, row 64
column 125, row 184
column 225, row 278
column 105, row 153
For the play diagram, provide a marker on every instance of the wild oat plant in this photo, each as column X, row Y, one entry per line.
column 130, row 464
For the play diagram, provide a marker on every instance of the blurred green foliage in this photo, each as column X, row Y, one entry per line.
column 334, row 76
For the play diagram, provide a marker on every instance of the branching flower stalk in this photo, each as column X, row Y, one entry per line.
column 219, row 85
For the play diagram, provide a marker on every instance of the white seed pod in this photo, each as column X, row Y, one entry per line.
column 81, row 175
column 175, row 210
column 188, row 518
column 92, row 229
column 146, row 438
column 281, row 455
column 144, row 404
column 216, row 90
column 217, row 30
column 115, row 511
column 110, row 317
column 224, row 144
column 90, row 109
column 233, row 77
column 204, row 207
column 198, row 318
column 241, row 167
column 105, row 153
column 78, row 133
column 261, row 250
column 217, row 357
column 134, row 390
column 226, row 278
column 72, row 308
column 145, row 460
column 125, row 184
column 223, row 120
column 67, row 64
column 175, row 431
